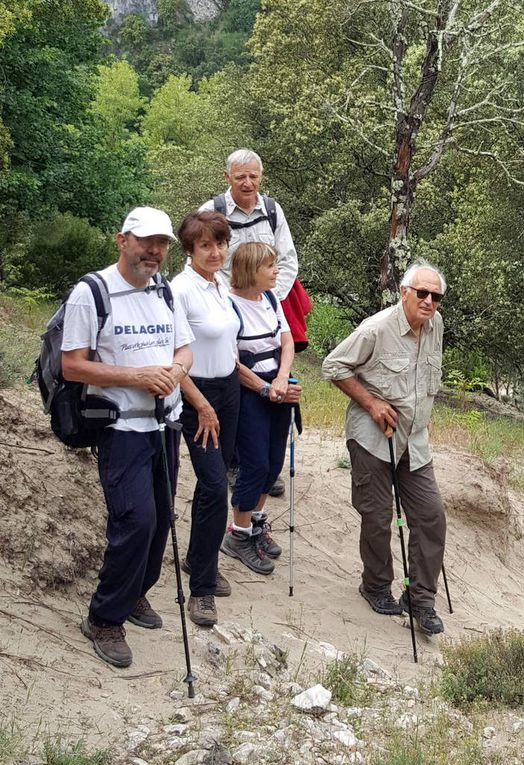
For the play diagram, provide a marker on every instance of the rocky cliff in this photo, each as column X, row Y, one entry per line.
column 201, row 9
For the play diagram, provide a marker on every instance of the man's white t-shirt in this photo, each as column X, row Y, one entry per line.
column 259, row 318
column 213, row 321
column 140, row 331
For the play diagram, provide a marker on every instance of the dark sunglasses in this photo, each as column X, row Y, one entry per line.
column 436, row 297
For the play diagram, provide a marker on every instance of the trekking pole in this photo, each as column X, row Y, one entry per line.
column 444, row 577
column 292, row 380
column 180, row 599
column 400, row 523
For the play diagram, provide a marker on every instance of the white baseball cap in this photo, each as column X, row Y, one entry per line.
column 148, row 221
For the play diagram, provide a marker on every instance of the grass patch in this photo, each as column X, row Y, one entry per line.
column 347, row 682
column 323, row 405
column 22, row 320
column 57, row 753
column 436, row 744
column 11, row 747
column 486, row 669
column 489, row 438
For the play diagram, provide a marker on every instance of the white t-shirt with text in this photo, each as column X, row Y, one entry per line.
column 140, row 331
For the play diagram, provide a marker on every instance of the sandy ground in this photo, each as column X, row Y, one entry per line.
column 50, row 546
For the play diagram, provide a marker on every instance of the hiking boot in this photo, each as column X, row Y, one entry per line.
column 266, row 541
column 247, row 548
column 232, row 477
column 382, row 602
column 278, row 488
column 202, row 610
column 144, row 616
column 109, row 642
column 223, row 588
column 429, row 622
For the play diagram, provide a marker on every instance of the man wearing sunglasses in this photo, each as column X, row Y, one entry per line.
column 390, row 367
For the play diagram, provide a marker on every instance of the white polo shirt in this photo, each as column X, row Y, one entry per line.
column 213, row 321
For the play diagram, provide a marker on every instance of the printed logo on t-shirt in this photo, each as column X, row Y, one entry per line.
column 142, row 329
column 162, row 335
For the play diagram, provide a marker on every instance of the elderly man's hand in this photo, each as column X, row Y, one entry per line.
column 383, row 415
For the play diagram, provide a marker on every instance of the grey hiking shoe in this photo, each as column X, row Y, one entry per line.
column 202, row 610
column 109, row 643
column 381, row 602
column 247, row 548
column 223, row 588
column 144, row 616
column 278, row 488
column 266, row 541
column 428, row 620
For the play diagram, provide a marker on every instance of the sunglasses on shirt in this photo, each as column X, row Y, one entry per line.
column 436, row 297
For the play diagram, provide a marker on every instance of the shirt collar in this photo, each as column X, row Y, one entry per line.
column 204, row 284
column 231, row 205
column 404, row 325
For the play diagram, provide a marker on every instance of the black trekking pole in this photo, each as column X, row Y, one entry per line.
column 180, row 599
column 448, row 596
column 291, row 492
column 400, row 523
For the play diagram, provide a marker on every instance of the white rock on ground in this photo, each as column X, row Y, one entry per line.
column 315, row 699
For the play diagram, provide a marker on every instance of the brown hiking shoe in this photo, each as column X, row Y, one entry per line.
column 109, row 643
column 202, row 610
column 144, row 616
column 223, row 588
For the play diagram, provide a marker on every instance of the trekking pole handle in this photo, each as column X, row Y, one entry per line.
column 293, row 381
column 160, row 406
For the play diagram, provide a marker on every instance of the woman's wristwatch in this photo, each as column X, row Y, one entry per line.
column 182, row 367
column 264, row 390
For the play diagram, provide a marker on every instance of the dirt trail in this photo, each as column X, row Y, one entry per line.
column 51, row 541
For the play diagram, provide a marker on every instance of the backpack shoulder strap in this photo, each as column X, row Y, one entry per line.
column 271, row 210
column 164, row 289
column 219, row 203
column 100, row 292
column 272, row 299
column 241, row 320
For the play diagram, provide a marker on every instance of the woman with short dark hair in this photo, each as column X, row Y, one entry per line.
column 211, row 401
column 266, row 353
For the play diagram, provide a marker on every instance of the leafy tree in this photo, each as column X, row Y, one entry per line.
column 45, row 90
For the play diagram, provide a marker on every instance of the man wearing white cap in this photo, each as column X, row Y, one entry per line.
column 141, row 352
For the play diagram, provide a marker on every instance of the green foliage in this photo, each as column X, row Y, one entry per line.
column 61, row 250
column 177, row 45
column 465, row 370
column 437, row 744
column 485, row 669
column 327, row 327
column 11, row 747
column 346, row 682
column 24, row 317
column 58, row 753
column 117, row 100
column 44, row 92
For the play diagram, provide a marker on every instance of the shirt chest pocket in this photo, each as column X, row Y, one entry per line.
column 394, row 374
column 433, row 374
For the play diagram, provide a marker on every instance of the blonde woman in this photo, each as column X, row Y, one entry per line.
column 266, row 353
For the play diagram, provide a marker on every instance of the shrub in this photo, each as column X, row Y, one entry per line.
column 60, row 251
column 489, row 668
column 327, row 327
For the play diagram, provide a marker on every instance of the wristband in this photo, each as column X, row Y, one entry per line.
column 182, row 367
column 264, row 390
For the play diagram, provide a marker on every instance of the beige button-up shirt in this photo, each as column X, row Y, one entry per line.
column 392, row 363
